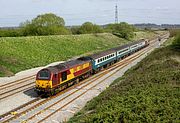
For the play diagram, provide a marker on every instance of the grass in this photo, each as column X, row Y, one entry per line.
column 20, row 53
column 144, row 34
column 148, row 92
column 168, row 42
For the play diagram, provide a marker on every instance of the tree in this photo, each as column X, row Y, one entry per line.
column 88, row 27
column 46, row 24
column 47, row 20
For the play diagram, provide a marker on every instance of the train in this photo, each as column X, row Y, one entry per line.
column 56, row 78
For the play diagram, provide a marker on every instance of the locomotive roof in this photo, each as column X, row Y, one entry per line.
column 103, row 53
column 68, row 64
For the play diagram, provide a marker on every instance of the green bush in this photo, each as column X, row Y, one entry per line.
column 88, row 27
column 176, row 42
column 10, row 32
column 123, row 30
column 174, row 32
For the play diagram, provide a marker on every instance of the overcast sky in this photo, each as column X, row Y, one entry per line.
column 76, row 12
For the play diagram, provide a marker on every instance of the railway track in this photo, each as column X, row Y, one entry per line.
column 12, row 88
column 8, row 84
column 37, row 103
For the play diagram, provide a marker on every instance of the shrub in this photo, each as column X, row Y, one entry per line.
column 88, row 27
column 176, row 42
column 122, row 30
column 10, row 32
column 174, row 32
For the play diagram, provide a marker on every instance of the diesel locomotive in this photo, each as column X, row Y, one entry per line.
column 53, row 79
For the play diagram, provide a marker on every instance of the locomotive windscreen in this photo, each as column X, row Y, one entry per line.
column 44, row 75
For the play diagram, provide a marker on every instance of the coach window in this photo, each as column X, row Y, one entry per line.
column 98, row 60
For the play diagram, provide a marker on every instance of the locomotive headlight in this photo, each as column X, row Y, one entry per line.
column 37, row 83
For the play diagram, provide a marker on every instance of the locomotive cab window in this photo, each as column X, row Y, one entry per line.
column 44, row 75
column 64, row 75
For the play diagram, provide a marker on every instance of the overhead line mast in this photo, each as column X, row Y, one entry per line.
column 116, row 14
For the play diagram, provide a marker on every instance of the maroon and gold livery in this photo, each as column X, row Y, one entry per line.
column 58, row 77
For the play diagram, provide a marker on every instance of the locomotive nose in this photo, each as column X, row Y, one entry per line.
column 42, row 83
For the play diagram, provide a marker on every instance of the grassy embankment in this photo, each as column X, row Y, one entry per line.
column 148, row 92
column 20, row 53
column 144, row 34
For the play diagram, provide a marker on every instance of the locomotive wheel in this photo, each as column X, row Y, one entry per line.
column 39, row 92
column 52, row 92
